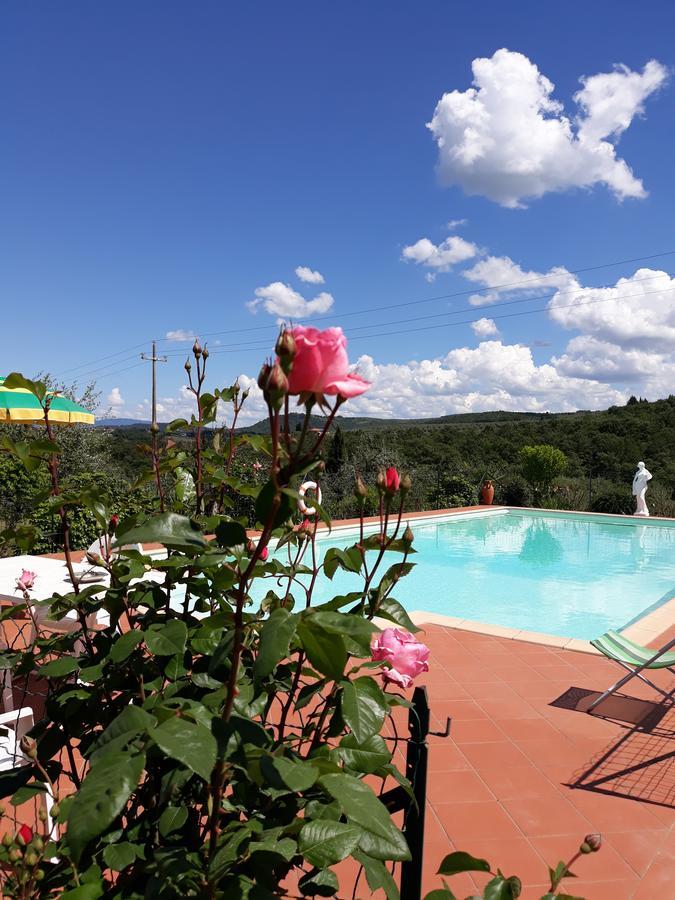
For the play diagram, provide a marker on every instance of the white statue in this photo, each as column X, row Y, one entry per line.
column 642, row 476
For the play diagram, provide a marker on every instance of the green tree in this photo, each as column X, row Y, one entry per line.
column 335, row 458
column 541, row 464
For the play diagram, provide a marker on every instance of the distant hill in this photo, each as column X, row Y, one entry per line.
column 365, row 423
column 362, row 423
column 120, row 423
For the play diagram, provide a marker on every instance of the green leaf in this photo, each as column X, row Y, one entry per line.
column 381, row 839
column 57, row 668
column 365, row 757
column 393, row 611
column 130, row 722
column 500, row 888
column 173, row 818
column 324, row 842
column 378, row 876
column 264, row 506
column 27, row 792
column 16, row 380
column 441, row 894
column 321, row 883
column 120, row 855
column 462, row 862
column 350, row 625
column 275, row 639
column 326, row 651
column 296, row 774
column 392, row 575
column 125, row 645
column 102, row 797
column 168, row 639
column 168, row 529
column 350, row 560
column 229, row 534
column 189, row 743
column 83, row 892
column 363, row 707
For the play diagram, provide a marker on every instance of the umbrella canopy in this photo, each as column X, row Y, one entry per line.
column 19, row 405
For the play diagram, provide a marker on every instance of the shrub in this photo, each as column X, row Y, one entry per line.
column 614, row 499
column 541, row 465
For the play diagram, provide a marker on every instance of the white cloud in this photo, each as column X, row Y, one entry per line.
column 456, row 223
column 488, row 377
column 484, row 327
column 115, row 400
column 441, row 257
column 507, row 139
column 281, row 300
column 637, row 311
column 180, row 334
column 644, row 371
column 503, row 276
column 304, row 273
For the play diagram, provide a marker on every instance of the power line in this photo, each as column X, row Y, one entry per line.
column 256, row 345
column 513, row 285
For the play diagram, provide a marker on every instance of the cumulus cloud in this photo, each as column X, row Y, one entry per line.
column 115, row 400
column 180, row 334
column 508, row 139
column 491, row 376
column 281, row 300
column 440, row 257
column 304, row 273
column 638, row 370
column 637, row 311
column 501, row 275
column 484, row 327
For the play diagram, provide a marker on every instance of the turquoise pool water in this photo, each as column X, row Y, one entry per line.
column 569, row 575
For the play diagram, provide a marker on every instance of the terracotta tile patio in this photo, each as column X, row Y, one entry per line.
column 527, row 773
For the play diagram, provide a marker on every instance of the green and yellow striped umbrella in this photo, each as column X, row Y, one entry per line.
column 20, row 405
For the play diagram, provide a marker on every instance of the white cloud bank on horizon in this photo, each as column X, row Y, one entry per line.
column 507, row 139
column 624, row 344
column 279, row 299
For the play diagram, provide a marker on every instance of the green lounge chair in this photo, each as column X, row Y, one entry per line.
column 636, row 659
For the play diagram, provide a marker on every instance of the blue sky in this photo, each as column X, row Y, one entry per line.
column 160, row 162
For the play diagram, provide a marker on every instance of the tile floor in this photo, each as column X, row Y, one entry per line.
column 526, row 773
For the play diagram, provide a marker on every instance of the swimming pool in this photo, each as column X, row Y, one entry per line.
column 566, row 574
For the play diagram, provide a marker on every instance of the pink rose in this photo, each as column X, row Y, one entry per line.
column 257, row 466
column 321, row 365
column 406, row 655
column 26, row 581
column 392, row 480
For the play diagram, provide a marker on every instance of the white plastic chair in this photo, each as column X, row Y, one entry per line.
column 13, row 726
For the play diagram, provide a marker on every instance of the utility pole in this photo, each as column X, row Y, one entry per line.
column 154, row 359
column 154, row 427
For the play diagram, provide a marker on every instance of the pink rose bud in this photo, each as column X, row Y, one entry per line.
column 264, row 553
column 286, row 350
column 264, row 375
column 25, row 834
column 407, row 657
column 114, row 522
column 26, row 580
column 196, row 348
column 321, row 364
column 392, row 480
column 591, row 843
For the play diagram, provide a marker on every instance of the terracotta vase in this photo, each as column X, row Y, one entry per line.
column 487, row 493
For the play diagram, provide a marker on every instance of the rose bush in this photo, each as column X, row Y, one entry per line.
column 214, row 722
